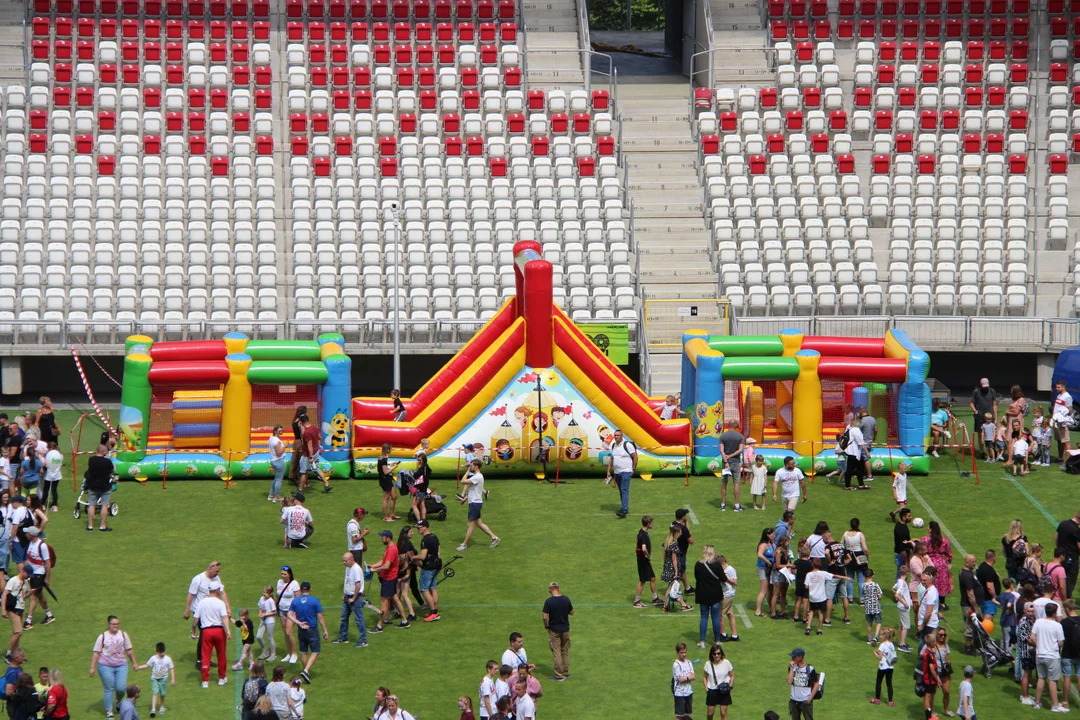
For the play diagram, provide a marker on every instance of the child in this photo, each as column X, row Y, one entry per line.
column 247, row 637
column 682, row 683
column 1007, row 599
column 902, row 596
column 899, row 488
column 1040, row 434
column 670, row 411
column 802, row 594
column 987, row 435
column 816, row 583
column 1020, row 456
column 267, row 615
column 886, row 655
column 749, row 455
column 760, row 473
column 400, row 414
column 297, row 698
column 841, row 457
column 727, row 606
column 871, row 596
column 675, row 595
column 999, row 438
column 966, row 709
column 162, row 674
column 6, row 478
column 41, row 687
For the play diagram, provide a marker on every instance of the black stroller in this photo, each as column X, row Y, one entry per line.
column 992, row 654
column 435, row 507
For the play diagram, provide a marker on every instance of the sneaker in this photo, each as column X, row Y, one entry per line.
column 875, row 701
column 305, row 676
column 934, row 453
column 870, row 641
column 657, row 602
column 303, row 545
column 494, row 543
column 411, row 618
column 827, row 623
column 733, row 638
column 462, row 547
column 153, row 714
column 28, row 625
column 222, row 681
column 1027, row 701
column 109, row 713
column 338, row 640
column 701, row 645
column 205, row 685
column 847, row 621
column 1036, row 706
column 639, row 604
column 161, row 710
column 738, row 508
column 723, row 507
column 328, row 488
column 270, row 659
column 904, row 648
column 49, row 619
column 404, row 625
column 432, row 617
column 238, row 666
column 376, row 629
column 291, row 659
column 891, row 703
column 1059, row 708
column 360, row 645
column 724, row 639
column 263, row 655
column 689, row 590
column 807, row 631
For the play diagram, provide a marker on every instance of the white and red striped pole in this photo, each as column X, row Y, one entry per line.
column 89, row 392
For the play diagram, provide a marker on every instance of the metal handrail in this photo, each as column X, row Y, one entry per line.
column 710, row 67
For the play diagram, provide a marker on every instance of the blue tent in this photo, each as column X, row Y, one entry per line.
column 1067, row 370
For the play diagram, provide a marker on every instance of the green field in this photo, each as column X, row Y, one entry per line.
column 621, row 656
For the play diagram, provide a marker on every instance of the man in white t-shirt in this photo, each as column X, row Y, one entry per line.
column 515, row 656
column 354, row 536
column 927, row 620
column 524, row 707
column 39, row 559
column 474, row 481
column 214, row 618
column 297, row 521
column 792, row 482
column 1048, row 638
column 622, row 464
column 199, row 589
column 352, row 601
column 1061, row 420
column 488, row 698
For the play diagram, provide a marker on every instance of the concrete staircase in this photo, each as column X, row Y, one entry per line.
column 740, row 41
column 669, row 229
column 13, row 44
column 552, row 29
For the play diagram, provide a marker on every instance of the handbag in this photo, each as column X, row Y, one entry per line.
column 862, row 560
column 724, row 687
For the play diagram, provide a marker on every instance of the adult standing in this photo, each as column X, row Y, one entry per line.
column 984, row 400
column 352, row 601
column 299, row 525
column 793, row 484
column 311, row 454
column 215, row 620
column 902, row 543
column 306, row 612
column 1070, row 650
column 1048, row 639
column 858, row 554
column 430, row 561
column 1067, row 537
column 474, row 479
column 972, row 597
column 515, row 655
column 406, row 575
column 804, row 680
column 17, row 589
column 940, row 552
column 990, row 582
column 854, row 448
column 385, row 470
column 46, row 421
column 709, row 581
column 11, row 675
column 622, row 464
column 5, row 524
column 56, row 707
column 643, row 553
column 109, row 660
column 684, row 541
column 1014, row 547
column 929, row 607
column 718, row 678
column 557, row 612
column 298, row 443
column 388, row 575
column 277, row 462
column 98, row 477
column 1061, row 420
column 354, row 535
column 40, row 560
column 732, row 444
column 287, row 589
column 766, row 557
column 868, row 428
column 1018, row 405
column 785, row 527
column 198, row 589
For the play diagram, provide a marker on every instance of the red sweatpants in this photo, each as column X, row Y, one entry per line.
column 213, row 638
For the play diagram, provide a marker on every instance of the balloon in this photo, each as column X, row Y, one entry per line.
column 988, row 626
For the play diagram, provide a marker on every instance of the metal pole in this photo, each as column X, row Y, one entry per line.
column 1035, row 240
column 397, row 315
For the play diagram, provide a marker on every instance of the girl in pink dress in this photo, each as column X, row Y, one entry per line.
column 941, row 557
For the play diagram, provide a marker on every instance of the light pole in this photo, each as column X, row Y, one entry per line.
column 395, row 268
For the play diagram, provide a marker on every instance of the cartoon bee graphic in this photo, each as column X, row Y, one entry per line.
column 337, row 430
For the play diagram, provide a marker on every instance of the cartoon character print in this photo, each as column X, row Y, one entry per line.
column 336, row 432
column 521, row 414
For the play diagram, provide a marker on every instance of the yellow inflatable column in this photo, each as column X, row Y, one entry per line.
column 236, row 409
column 792, row 341
column 806, row 405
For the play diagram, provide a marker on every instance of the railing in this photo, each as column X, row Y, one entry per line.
column 1016, row 334
column 665, row 320
column 645, row 357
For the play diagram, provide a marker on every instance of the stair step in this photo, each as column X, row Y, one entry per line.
column 660, row 209
column 651, row 187
column 657, row 144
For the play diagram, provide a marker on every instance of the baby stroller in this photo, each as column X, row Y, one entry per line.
column 82, row 502
column 992, row 654
column 435, row 507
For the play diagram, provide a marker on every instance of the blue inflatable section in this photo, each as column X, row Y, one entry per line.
column 196, row 429
column 913, row 407
column 918, row 363
column 709, row 390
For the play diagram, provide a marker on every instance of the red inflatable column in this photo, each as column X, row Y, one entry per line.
column 538, row 328
column 521, row 247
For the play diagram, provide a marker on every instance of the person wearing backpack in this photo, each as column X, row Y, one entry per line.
column 1057, row 574
column 622, row 464
column 21, row 519
column 254, row 688
column 109, row 660
column 805, row 684
column 40, row 558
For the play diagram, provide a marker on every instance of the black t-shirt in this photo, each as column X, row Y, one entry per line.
column 1071, row 627
column 558, row 609
column 643, row 539
column 420, row 478
column 380, row 468
column 684, row 537
column 431, row 544
column 985, row 573
column 398, row 406
column 99, row 472
column 969, row 582
column 802, row 567
column 1068, row 533
column 47, row 427
column 901, row 534
column 984, row 402
column 835, row 551
column 404, row 548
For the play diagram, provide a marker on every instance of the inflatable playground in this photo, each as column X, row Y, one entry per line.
column 529, row 394
column 789, row 393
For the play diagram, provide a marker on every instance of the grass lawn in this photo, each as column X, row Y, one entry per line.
column 621, row 656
